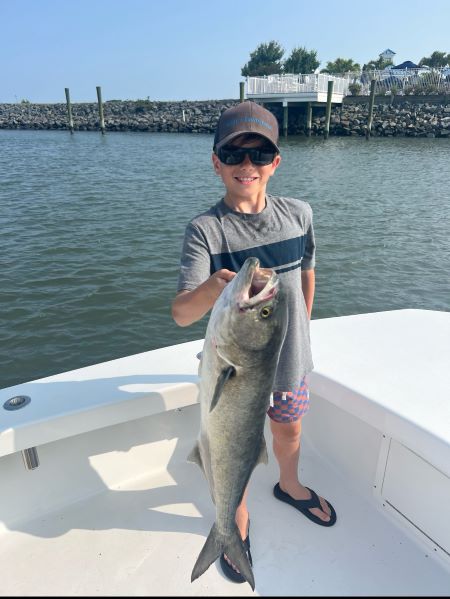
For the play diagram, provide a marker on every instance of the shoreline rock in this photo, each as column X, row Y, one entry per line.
column 140, row 115
column 404, row 117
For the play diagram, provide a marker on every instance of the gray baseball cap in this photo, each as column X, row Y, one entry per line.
column 246, row 117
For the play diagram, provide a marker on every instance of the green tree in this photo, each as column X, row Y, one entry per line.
column 374, row 65
column 301, row 60
column 265, row 60
column 436, row 60
column 354, row 88
column 341, row 65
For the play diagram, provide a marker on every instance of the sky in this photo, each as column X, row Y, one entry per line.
column 193, row 49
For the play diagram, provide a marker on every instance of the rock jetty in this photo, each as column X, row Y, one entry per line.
column 140, row 115
column 402, row 118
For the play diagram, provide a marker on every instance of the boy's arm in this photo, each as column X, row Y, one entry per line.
column 308, row 287
column 190, row 306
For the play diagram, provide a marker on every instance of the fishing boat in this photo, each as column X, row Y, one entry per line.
column 97, row 497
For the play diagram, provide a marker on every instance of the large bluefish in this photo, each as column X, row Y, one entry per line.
column 239, row 359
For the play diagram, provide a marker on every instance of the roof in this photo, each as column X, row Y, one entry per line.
column 407, row 65
column 388, row 51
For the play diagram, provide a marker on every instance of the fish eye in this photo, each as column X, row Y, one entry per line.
column 265, row 312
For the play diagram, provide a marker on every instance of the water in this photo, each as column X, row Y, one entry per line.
column 91, row 230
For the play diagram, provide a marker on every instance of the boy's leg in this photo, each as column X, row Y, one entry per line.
column 286, row 447
column 242, row 518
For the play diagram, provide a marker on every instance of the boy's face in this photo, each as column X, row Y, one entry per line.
column 246, row 180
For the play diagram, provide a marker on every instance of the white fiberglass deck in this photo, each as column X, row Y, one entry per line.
column 114, row 509
column 143, row 537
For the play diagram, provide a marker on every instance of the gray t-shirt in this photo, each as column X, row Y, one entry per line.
column 282, row 237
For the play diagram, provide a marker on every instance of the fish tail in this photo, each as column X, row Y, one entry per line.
column 233, row 546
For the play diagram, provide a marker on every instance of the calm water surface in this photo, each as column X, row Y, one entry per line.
column 91, row 229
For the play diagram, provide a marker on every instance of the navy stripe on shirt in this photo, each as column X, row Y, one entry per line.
column 273, row 255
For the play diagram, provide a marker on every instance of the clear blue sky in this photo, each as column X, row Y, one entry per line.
column 193, row 49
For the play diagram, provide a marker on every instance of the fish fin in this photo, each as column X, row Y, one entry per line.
column 233, row 546
column 223, row 377
column 263, row 458
column 195, row 456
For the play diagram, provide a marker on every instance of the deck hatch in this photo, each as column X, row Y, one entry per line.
column 418, row 491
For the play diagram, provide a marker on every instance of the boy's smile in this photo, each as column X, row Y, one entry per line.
column 246, row 182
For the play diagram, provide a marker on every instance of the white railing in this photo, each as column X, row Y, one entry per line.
column 403, row 81
column 423, row 80
column 295, row 84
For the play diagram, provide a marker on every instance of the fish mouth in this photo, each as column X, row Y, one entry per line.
column 261, row 286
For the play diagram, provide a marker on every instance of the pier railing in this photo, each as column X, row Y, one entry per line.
column 292, row 84
column 423, row 80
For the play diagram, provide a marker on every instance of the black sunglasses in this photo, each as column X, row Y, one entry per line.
column 232, row 155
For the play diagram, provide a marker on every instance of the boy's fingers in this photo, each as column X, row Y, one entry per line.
column 221, row 278
column 227, row 275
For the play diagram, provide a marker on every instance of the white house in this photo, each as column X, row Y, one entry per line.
column 388, row 54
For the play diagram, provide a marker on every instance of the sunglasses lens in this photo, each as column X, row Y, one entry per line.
column 263, row 157
column 231, row 156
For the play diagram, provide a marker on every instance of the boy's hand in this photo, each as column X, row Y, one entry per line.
column 217, row 282
column 190, row 306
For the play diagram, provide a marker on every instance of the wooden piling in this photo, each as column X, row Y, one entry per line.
column 285, row 118
column 370, row 115
column 308, row 119
column 328, row 114
column 100, row 109
column 69, row 109
column 241, row 91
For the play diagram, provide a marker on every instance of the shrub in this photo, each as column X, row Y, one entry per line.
column 354, row 88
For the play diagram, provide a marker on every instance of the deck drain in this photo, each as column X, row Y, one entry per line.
column 17, row 402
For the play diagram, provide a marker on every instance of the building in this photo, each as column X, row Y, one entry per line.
column 405, row 69
column 407, row 64
column 388, row 54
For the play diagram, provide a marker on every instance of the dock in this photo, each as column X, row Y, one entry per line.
column 311, row 90
column 296, row 89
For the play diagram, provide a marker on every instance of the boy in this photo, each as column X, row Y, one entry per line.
column 278, row 231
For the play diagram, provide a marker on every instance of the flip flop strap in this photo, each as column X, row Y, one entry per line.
column 310, row 503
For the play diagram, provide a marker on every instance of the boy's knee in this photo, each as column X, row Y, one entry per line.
column 287, row 432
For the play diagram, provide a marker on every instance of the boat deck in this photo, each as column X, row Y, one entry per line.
column 143, row 538
column 115, row 509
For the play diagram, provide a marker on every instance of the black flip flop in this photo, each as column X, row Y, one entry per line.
column 228, row 570
column 304, row 505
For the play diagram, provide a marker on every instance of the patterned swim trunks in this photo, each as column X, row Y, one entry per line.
column 289, row 407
